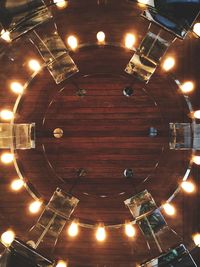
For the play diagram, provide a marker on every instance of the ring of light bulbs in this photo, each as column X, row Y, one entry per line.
column 73, row 228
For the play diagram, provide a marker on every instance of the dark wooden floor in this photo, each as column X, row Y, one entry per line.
column 104, row 134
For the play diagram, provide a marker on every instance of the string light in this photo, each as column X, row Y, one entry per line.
column 17, row 185
column 101, row 37
column 5, row 35
column 7, row 238
column 187, row 87
column 6, row 115
column 73, row 229
column 72, row 42
column 196, row 239
column 129, row 230
column 34, row 65
column 17, row 87
column 169, row 209
column 196, row 159
column 188, row 187
column 61, row 263
column 35, row 206
column 101, row 234
column 196, row 28
column 7, row 158
column 197, row 114
column 61, row 3
column 168, row 64
column 129, row 40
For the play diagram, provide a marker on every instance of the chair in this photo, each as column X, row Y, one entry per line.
column 20, row 136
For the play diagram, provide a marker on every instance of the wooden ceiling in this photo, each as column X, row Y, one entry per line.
column 105, row 133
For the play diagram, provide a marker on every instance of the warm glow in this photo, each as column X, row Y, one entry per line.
column 187, row 87
column 7, row 238
column 17, row 184
column 101, row 37
column 129, row 40
column 169, row 209
column 17, row 87
column 5, row 35
column 6, row 115
column 34, row 65
column 72, row 42
column 101, row 234
column 35, row 206
column 168, row 63
column 197, row 114
column 61, row 264
column 196, row 239
column 145, row 2
column 196, row 159
column 73, row 229
column 188, row 187
column 196, row 28
column 129, row 230
column 7, row 158
column 61, row 3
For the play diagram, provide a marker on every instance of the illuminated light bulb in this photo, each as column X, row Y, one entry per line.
column 101, row 234
column 145, row 2
column 196, row 159
column 169, row 209
column 61, row 3
column 187, row 87
column 7, row 158
column 5, row 35
column 196, row 239
column 101, row 37
column 61, row 263
column 34, row 65
column 17, row 87
column 168, row 63
column 197, row 114
column 188, row 187
column 196, row 28
column 7, row 238
column 6, row 115
column 35, row 206
column 73, row 229
column 72, row 42
column 129, row 230
column 17, row 184
column 129, row 40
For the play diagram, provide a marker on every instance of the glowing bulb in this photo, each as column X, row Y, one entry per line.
column 7, row 158
column 197, row 114
column 73, row 229
column 145, row 2
column 101, row 234
column 5, row 35
column 196, row 239
column 61, row 3
column 196, row 28
column 72, row 42
column 168, row 63
column 169, row 209
column 129, row 40
column 7, row 238
column 101, row 37
column 17, row 184
column 187, row 87
column 6, row 115
column 188, row 187
column 35, row 206
column 16, row 87
column 61, row 263
column 129, row 230
column 196, row 159
column 34, row 65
